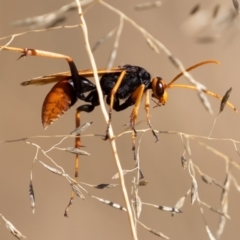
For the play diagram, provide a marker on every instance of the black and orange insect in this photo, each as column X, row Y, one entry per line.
column 123, row 87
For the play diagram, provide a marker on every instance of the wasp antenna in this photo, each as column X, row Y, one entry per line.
column 191, row 68
column 207, row 92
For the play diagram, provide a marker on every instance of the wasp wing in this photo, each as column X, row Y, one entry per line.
column 67, row 75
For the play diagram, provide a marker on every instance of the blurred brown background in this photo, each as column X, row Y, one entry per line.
column 21, row 110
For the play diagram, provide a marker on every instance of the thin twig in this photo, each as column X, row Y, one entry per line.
column 105, row 114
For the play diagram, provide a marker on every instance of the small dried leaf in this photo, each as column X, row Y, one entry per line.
column 217, row 183
column 143, row 183
column 158, row 234
column 184, row 162
column 148, row 5
column 225, row 99
column 77, row 151
column 111, row 204
column 216, row 11
column 105, row 185
column 32, row 197
column 236, row 184
column 152, row 45
column 13, row 230
column 205, row 101
column 236, row 5
column 81, row 128
column 221, row 226
column 53, row 170
column 207, row 179
column 141, row 174
column 224, row 195
column 207, row 39
column 50, row 19
column 194, row 191
column 181, row 201
column 165, row 208
column 138, row 206
column 195, row 9
column 169, row 209
column 77, row 190
column 220, row 212
column 174, row 61
column 116, row 176
column 210, row 235
column 104, row 39
column 224, row 205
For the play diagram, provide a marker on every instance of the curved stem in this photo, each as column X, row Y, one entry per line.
column 111, row 134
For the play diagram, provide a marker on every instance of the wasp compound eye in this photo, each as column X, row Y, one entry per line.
column 158, row 86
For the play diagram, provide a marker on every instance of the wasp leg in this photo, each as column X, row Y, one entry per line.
column 92, row 98
column 76, row 81
column 136, row 97
column 147, row 104
column 133, row 99
column 112, row 100
column 79, row 84
column 86, row 108
column 77, row 145
column 120, row 107
column 83, row 85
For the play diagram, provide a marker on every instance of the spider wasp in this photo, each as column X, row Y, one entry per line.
column 122, row 86
column 126, row 83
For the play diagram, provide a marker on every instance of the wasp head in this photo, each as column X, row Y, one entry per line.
column 158, row 88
